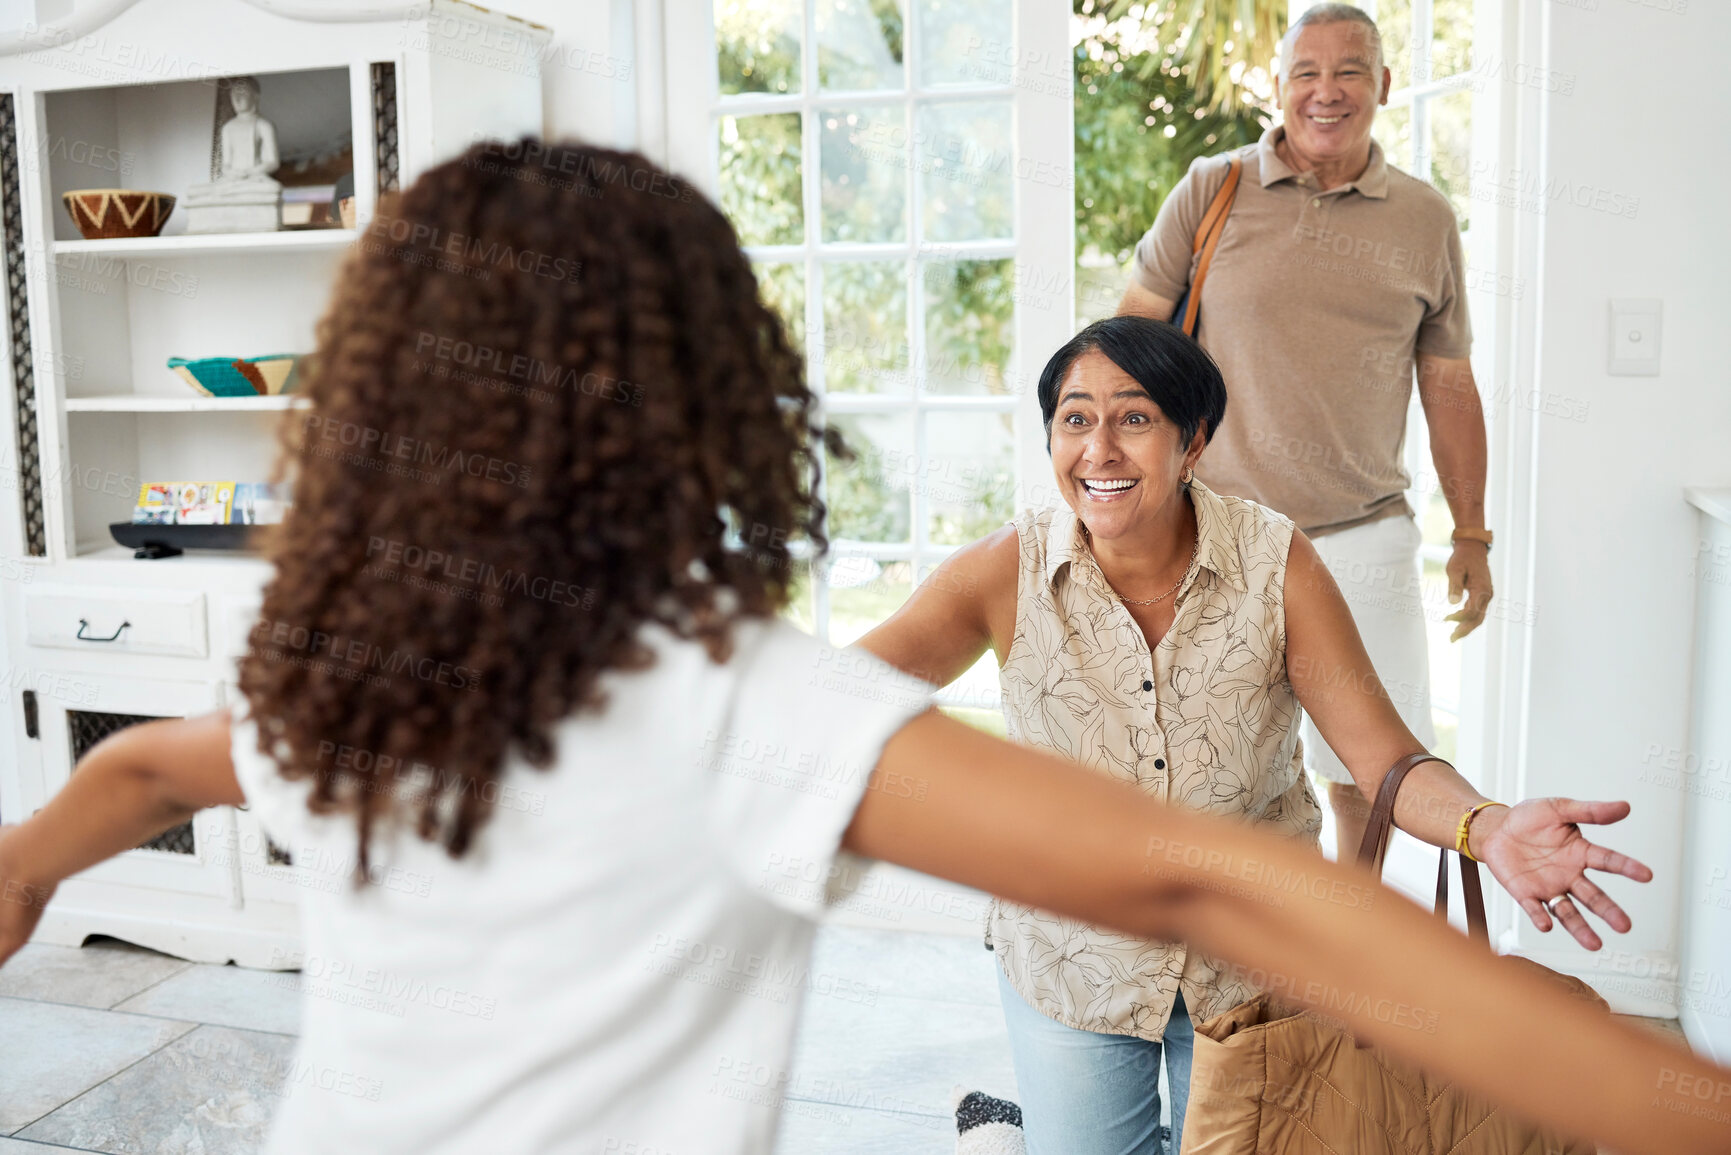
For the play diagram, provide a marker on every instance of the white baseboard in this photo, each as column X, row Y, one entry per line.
column 1708, row 1035
column 202, row 942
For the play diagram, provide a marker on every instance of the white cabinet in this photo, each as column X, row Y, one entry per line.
column 96, row 639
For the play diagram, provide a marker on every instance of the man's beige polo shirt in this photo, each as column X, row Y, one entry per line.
column 1315, row 308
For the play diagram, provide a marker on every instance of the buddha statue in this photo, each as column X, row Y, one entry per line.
column 242, row 197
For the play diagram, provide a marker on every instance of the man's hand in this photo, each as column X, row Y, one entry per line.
column 1536, row 850
column 1469, row 571
column 21, row 902
column 1457, row 448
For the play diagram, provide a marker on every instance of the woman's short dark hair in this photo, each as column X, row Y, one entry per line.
column 1177, row 374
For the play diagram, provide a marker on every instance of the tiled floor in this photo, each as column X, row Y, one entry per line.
column 117, row 1049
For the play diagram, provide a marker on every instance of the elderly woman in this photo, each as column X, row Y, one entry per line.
column 1166, row 635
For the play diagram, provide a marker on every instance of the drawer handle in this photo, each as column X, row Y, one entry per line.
column 84, row 624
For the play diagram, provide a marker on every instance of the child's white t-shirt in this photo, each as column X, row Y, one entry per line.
column 616, row 964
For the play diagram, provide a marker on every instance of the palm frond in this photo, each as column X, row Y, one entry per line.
column 1217, row 42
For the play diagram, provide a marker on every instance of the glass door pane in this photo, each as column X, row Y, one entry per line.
column 868, row 496
column 965, row 170
column 757, row 45
column 865, row 332
column 859, row 44
column 962, row 40
column 760, row 178
column 967, row 476
column 970, row 326
column 863, row 156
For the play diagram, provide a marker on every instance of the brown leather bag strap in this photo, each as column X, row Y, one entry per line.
column 1441, row 905
column 1474, row 895
column 1381, row 823
column 1471, row 891
column 1380, row 828
column 1219, row 206
column 1208, row 239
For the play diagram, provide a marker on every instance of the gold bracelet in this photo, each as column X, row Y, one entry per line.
column 1465, row 827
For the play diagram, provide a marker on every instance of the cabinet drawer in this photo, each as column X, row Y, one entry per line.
column 116, row 621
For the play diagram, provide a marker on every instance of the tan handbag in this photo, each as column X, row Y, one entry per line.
column 1267, row 1079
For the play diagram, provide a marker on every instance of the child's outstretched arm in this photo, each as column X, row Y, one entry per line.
column 1039, row 830
column 130, row 787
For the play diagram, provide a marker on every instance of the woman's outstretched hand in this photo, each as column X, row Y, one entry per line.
column 1536, row 850
column 21, row 903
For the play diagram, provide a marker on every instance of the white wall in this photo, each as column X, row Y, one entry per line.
column 590, row 75
column 1614, row 542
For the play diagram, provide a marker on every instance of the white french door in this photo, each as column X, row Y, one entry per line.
column 900, row 172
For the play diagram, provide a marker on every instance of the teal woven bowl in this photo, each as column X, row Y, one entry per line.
column 239, row 376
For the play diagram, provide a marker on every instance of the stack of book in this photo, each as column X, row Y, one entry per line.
column 210, row 503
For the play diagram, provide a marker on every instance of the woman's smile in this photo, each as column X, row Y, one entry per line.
column 1108, row 488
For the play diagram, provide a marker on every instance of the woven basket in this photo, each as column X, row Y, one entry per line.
column 106, row 213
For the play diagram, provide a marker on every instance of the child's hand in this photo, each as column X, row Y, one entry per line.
column 21, row 903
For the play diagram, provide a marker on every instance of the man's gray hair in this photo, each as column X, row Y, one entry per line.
column 1330, row 14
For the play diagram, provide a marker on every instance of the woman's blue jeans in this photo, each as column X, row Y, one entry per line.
column 1087, row 1093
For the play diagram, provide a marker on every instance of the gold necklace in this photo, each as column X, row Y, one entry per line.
column 1195, row 551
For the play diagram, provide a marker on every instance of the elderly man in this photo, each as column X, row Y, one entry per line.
column 1335, row 276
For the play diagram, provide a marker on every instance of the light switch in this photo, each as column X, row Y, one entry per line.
column 1635, row 329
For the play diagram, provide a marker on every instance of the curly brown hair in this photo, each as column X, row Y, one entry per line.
column 548, row 406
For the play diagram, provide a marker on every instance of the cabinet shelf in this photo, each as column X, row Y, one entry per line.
column 232, row 560
column 143, row 403
column 184, row 245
